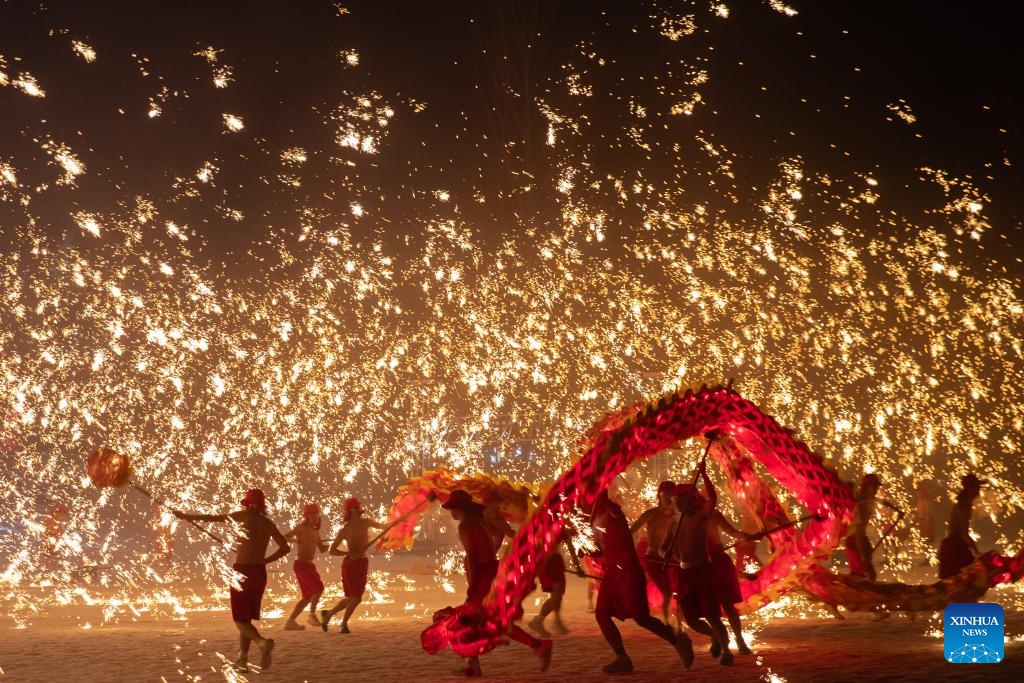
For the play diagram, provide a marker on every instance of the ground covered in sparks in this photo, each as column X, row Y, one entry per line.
column 798, row 643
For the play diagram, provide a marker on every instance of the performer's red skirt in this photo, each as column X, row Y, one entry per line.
column 353, row 575
column 479, row 577
column 657, row 571
column 623, row 592
column 551, row 572
column 245, row 601
column 954, row 555
column 695, row 592
column 308, row 577
column 727, row 583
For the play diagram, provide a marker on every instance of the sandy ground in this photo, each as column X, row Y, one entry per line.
column 384, row 646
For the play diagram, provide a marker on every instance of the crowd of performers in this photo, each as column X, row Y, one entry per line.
column 957, row 550
column 680, row 552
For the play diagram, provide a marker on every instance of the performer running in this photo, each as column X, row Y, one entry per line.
column 251, row 560
column 727, row 582
column 958, row 549
column 692, row 576
column 356, row 565
column 311, row 587
column 858, row 546
column 497, row 526
column 658, row 521
column 623, row 593
column 551, row 575
column 481, row 564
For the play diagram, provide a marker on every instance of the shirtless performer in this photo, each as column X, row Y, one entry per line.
column 311, row 586
column 356, row 565
column 958, row 548
column 497, row 526
column 692, row 576
column 623, row 593
column 658, row 522
column 727, row 582
column 481, row 564
column 551, row 576
column 251, row 560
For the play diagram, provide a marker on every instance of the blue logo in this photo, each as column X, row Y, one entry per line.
column 973, row 633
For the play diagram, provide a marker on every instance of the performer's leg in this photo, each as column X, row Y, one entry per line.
column 622, row 662
column 353, row 602
column 733, row 615
column 299, row 606
column 314, row 601
column 542, row 648
column 658, row 628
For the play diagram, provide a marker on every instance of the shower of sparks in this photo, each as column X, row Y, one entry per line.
column 338, row 360
column 26, row 83
column 83, row 51
column 233, row 123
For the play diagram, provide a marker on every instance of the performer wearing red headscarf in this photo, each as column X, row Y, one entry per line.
column 311, row 587
column 355, row 567
column 623, row 593
column 251, row 562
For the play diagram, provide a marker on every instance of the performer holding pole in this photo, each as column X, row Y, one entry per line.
column 311, row 586
column 356, row 565
column 657, row 521
column 958, row 549
column 859, row 549
column 623, row 593
column 726, row 580
column 251, row 562
column 693, row 579
column 481, row 564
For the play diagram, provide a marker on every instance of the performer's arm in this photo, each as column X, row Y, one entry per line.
column 640, row 521
column 708, row 486
column 337, row 541
column 197, row 517
column 726, row 526
column 282, row 545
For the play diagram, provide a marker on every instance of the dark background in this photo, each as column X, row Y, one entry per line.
column 815, row 85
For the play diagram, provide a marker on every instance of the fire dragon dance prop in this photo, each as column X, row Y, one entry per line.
column 642, row 431
column 853, row 592
column 514, row 501
column 859, row 594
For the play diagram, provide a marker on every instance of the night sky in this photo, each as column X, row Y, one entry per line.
column 820, row 84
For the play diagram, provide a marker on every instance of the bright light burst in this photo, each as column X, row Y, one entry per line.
column 343, row 354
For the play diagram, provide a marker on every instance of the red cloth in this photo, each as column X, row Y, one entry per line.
column 308, row 577
column 354, row 571
column 695, row 592
column 245, row 602
column 480, row 577
column 727, row 583
column 551, row 572
column 858, row 556
column 623, row 593
column 657, row 572
column 480, row 563
column 954, row 555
